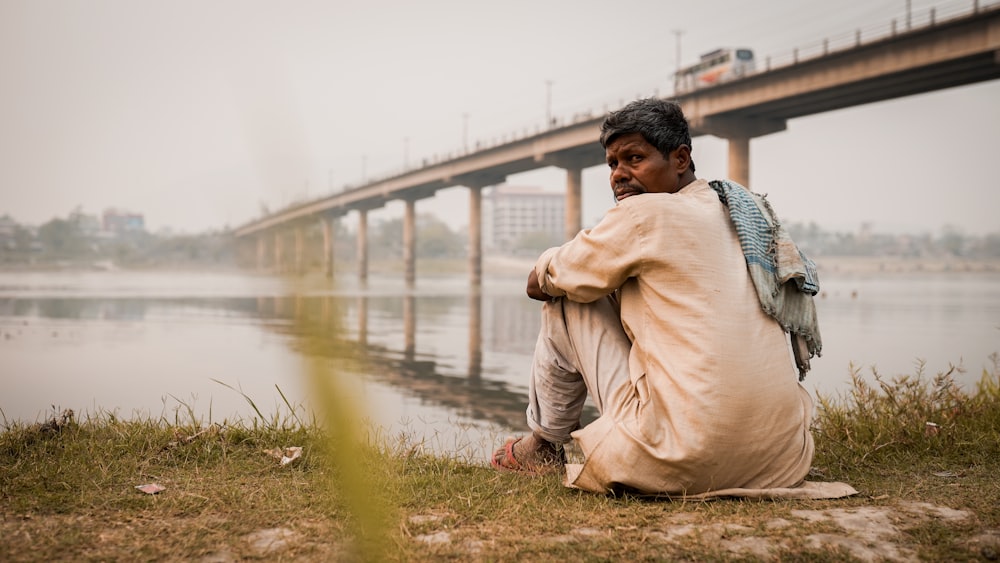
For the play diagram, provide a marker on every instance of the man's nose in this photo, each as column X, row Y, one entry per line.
column 619, row 173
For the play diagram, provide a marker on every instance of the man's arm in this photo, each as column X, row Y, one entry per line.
column 534, row 290
column 597, row 261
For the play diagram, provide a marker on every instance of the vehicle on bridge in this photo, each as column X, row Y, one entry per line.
column 715, row 67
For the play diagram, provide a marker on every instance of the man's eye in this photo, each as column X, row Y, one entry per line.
column 634, row 158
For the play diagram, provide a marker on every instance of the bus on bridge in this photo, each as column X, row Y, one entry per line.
column 714, row 67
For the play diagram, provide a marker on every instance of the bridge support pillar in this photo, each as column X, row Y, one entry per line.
column 738, row 132
column 574, row 181
column 739, row 160
column 410, row 242
column 278, row 251
column 475, row 236
column 261, row 252
column 476, row 183
column 300, row 250
column 574, row 202
column 362, row 250
column 328, row 244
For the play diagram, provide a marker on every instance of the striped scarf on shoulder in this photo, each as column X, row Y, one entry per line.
column 785, row 279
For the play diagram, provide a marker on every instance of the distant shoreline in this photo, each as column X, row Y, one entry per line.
column 518, row 266
column 828, row 265
column 837, row 265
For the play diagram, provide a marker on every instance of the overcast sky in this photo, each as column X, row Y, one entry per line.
column 198, row 113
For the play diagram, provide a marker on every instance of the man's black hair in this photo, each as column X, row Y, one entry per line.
column 660, row 122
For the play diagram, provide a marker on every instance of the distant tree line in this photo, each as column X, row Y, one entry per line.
column 951, row 242
column 72, row 242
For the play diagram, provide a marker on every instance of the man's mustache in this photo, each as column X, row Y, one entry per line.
column 627, row 186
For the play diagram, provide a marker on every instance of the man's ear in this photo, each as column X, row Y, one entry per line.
column 683, row 156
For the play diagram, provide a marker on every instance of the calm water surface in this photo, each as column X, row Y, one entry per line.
column 440, row 364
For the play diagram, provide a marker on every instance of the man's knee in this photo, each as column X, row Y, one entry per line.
column 596, row 315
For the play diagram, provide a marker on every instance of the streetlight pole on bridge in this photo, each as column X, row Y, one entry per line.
column 677, row 50
column 548, row 104
column 465, row 132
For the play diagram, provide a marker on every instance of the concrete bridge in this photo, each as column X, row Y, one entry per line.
column 941, row 52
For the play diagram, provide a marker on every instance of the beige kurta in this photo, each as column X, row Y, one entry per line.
column 714, row 402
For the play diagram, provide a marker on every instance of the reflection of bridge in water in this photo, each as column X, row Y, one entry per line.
column 361, row 335
column 342, row 328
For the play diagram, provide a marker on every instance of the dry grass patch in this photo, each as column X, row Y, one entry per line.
column 67, row 492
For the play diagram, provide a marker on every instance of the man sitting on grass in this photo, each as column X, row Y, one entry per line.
column 674, row 323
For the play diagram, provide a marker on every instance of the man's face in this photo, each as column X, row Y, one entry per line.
column 637, row 168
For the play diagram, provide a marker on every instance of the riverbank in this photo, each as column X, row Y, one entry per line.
column 519, row 265
column 923, row 455
column 828, row 265
column 889, row 265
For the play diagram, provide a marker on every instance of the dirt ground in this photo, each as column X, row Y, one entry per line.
column 867, row 533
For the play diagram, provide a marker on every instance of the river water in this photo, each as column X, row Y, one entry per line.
column 444, row 366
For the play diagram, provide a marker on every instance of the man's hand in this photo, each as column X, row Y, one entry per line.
column 534, row 291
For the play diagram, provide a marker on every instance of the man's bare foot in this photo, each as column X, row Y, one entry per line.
column 537, row 451
column 530, row 454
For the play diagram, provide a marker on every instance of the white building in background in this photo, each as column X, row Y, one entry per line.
column 513, row 214
column 120, row 222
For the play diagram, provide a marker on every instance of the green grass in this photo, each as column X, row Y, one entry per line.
column 67, row 492
column 911, row 421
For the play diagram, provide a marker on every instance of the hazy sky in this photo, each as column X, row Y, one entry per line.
column 197, row 113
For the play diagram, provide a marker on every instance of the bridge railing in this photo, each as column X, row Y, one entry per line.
column 914, row 20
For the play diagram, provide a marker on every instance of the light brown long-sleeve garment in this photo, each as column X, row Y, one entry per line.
column 713, row 402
